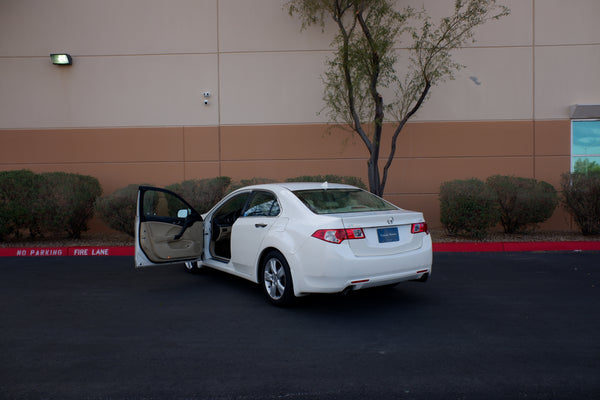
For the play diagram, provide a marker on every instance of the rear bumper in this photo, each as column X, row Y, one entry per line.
column 330, row 268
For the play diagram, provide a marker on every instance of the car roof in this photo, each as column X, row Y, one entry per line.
column 293, row 186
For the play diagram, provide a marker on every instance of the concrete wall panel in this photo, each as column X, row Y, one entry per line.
column 553, row 138
column 132, row 155
column 425, row 175
column 559, row 22
column 465, row 139
column 108, row 91
column 107, row 27
column 288, row 142
column 271, row 88
column 564, row 76
column 494, row 85
column 201, row 144
column 201, row 170
column 80, row 146
column 550, row 168
column 426, row 140
column 282, row 169
column 265, row 25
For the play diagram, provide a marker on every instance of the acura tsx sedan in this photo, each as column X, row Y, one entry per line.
column 292, row 239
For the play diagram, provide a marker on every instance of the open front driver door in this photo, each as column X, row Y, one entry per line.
column 167, row 229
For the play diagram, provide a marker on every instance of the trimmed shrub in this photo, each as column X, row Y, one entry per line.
column 582, row 200
column 348, row 180
column 522, row 201
column 19, row 203
column 468, row 207
column 117, row 210
column 68, row 202
column 202, row 194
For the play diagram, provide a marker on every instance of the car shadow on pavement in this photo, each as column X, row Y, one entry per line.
column 405, row 295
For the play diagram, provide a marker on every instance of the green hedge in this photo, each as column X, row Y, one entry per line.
column 468, row 207
column 202, row 194
column 471, row 207
column 581, row 197
column 522, row 202
column 68, row 202
column 19, row 203
column 117, row 210
column 52, row 202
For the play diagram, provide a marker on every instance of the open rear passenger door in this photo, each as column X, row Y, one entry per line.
column 167, row 229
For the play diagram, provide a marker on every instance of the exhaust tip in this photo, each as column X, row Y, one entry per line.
column 348, row 290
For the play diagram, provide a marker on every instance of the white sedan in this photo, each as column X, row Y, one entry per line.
column 291, row 238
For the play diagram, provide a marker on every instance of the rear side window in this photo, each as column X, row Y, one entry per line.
column 335, row 201
column 263, row 204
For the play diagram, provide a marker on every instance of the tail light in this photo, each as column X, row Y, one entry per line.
column 419, row 227
column 337, row 236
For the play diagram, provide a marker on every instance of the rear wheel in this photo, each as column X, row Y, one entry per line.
column 277, row 279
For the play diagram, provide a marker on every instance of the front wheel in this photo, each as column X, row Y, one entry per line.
column 277, row 279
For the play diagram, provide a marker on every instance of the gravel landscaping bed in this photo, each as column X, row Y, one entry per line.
column 440, row 236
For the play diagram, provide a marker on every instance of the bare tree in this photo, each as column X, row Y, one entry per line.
column 365, row 59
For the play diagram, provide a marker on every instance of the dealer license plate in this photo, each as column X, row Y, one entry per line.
column 387, row 235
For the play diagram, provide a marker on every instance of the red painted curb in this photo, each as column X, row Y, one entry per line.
column 66, row 251
column 515, row 246
column 472, row 247
column 467, row 247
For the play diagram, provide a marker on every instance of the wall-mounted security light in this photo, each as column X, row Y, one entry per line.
column 61, row 59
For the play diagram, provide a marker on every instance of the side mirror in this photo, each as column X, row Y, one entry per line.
column 184, row 213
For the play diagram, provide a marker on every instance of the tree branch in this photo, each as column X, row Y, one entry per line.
column 399, row 129
column 350, row 97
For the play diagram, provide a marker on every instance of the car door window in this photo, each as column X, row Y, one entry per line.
column 159, row 204
column 232, row 209
column 262, row 204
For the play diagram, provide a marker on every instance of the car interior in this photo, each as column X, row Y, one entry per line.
column 261, row 204
column 221, row 223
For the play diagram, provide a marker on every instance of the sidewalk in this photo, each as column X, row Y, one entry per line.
column 87, row 251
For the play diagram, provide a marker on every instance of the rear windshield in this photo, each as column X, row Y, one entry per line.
column 334, row 201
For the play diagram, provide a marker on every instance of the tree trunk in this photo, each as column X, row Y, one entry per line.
column 373, row 172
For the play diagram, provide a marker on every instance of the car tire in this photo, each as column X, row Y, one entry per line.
column 192, row 266
column 276, row 279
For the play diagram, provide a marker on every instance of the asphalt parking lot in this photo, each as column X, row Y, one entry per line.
column 486, row 326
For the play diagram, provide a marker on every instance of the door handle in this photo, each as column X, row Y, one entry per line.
column 260, row 225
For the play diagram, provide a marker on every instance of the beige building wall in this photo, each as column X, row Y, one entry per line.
column 131, row 107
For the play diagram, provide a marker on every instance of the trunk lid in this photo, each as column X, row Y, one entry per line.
column 386, row 232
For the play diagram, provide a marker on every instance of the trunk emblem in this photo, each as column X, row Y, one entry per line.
column 390, row 220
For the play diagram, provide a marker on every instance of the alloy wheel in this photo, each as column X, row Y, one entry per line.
column 274, row 278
